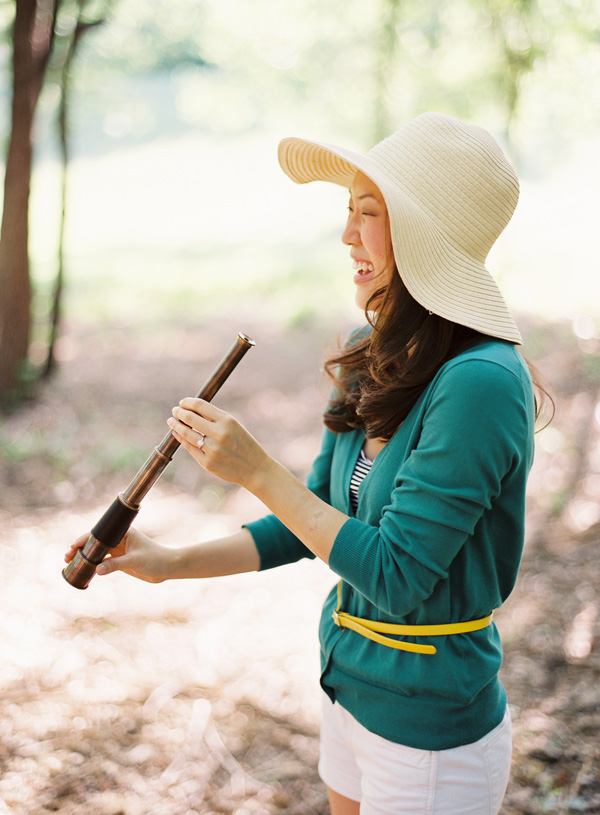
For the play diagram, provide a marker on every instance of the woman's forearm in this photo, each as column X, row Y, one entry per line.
column 233, row 554
column 141, row 557
column 313, row 521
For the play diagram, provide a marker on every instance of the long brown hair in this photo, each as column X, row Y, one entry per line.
column 380, row 373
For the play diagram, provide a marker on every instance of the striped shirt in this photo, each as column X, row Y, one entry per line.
column 361, row 469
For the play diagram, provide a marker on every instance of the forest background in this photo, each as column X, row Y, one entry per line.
column 180, row 230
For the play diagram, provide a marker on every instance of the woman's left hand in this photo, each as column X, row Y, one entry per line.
column 218, row 442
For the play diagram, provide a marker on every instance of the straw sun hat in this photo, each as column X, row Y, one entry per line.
column 449, row 192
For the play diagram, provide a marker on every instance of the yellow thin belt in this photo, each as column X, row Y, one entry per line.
column 374, row 630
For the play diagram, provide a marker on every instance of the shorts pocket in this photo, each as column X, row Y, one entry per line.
column 497, row 756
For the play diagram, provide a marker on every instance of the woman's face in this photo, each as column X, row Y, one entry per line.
column 367, row 233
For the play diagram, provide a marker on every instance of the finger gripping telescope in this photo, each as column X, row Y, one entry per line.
column 117, row 519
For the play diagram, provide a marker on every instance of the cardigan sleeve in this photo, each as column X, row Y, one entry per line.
column 275, row 543
column 475, row 434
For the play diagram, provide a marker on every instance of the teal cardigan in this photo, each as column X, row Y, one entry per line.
column 437, row 538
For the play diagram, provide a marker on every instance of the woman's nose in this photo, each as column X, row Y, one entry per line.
column 350, row 235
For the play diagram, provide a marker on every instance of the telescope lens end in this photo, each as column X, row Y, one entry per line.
column 245, row 339
column 79, row 572
column 82, row 568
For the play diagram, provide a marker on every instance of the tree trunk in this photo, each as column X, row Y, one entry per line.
column 80, row 29
column 32, row 39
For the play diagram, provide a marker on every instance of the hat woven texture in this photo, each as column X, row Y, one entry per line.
column 449, row 192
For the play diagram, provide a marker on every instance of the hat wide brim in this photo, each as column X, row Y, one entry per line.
column 439, row 275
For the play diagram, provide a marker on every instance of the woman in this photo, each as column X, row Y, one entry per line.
column 416, row 499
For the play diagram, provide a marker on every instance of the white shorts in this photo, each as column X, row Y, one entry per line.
column 390, row 779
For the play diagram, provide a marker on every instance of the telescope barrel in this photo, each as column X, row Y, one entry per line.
column 117, row 519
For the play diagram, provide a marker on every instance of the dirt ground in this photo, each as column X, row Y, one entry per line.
column 202, row 697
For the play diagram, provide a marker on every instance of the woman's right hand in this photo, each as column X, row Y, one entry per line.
column 136, row 555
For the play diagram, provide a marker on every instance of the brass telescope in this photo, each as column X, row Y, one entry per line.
column 117, row 519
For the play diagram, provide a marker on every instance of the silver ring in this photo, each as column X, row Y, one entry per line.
column 201, row 441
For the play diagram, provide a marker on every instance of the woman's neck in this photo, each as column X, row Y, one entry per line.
column 372, row 447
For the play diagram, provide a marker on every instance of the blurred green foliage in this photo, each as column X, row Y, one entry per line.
column 174, row 202
column 345, row 67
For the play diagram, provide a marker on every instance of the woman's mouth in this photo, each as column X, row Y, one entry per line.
column 364, row 270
